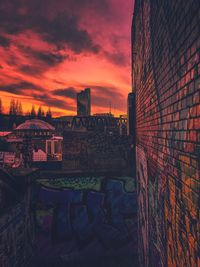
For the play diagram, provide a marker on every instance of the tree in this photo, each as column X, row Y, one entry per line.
column 42, row 113
column 20, row 109
column 12, row 109
column 16, row 107
column 49, row 114
column 28, row 113
column 39, row 113
column 33, row 113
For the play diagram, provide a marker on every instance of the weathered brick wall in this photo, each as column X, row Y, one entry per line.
column 17, row 233
column 166, row 79
column 94, row 151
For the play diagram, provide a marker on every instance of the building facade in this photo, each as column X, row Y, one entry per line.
column 166, row 79
column 31, row 143
column 84, row 103
column 131, row 114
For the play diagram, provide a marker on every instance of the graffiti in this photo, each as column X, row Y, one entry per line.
column 90, row 183
column 142, row 205
column 187, row 214
column 166, row 81
column 99, row 208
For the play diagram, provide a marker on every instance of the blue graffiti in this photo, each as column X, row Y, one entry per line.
column 88, row 215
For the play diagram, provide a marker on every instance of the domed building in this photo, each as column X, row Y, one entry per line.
column 35, row 128
column 36, row 142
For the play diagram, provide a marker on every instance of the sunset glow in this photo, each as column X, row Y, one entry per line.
column 49, row 50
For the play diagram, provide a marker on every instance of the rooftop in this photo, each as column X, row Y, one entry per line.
column 35, row 124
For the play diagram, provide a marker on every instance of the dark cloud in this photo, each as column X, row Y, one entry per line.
column 19, row 88
column 103, row 95
column 50, row 58
column 102, row 5
column 117, row 58
column 63, row 29
column 40, row 61
column 23, row 88
column 58, row 82
column 107, row 90
column 62, row 24
column 32, row 69
column 69, row 92
column 5, row 42
column 47, row 100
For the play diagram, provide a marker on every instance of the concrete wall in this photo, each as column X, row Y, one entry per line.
column 166, row 79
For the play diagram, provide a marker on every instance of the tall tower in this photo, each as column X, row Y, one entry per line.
column 131, row 114
column 84, row 103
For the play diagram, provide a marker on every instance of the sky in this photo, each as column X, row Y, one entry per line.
column 52, row 49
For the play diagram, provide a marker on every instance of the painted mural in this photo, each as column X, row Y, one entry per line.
column 88, row 212
column 17, row 234
column 142, row 174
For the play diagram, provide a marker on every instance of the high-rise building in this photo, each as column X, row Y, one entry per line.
column 84, row 103
column 131, row 114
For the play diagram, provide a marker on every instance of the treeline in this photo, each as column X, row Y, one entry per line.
column 16, row 109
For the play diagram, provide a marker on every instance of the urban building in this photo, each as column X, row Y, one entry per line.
column 106, row 124
column 131, row 114
column 32, row 142
column 84, row 103
column 103, row 115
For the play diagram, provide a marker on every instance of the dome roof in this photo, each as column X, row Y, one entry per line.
column 35, row 125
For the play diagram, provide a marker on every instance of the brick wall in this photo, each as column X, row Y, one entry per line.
column 17, row 233
column 166, row 79
column 94, row 151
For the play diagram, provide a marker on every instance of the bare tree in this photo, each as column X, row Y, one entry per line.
column 33, row 113
column 28, row 113
column 49, row 114
column 20, row 109
column 42, row 113
column 16, row 107
column 12, row 109
column 39, row 112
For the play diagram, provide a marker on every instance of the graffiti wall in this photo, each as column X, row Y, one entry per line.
column 98, row 213
column 166, row 79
